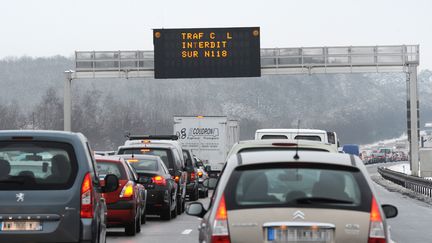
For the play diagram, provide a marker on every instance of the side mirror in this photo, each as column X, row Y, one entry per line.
column 196, row 209
column 207, row 168
column 111, row 183
column 210, row 183
column 390, row 211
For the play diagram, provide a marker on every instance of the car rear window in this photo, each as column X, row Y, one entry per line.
column 298, row 185
column 143, row 164
column 308, row 137
column 274, row 137
column 105, row 168
column 164, row 154
column 37, row 165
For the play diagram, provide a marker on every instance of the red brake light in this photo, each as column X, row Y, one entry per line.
column 193, row 177
column 159, row 180
column 220, row 226
column 86, row 197
column 376, row 227
column 200, row 174
column 176, row 178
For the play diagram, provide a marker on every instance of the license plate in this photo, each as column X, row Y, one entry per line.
column 21, row 226
column 299, row 234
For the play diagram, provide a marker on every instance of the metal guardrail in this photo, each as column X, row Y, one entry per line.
column 417, row 184
column 341, row 59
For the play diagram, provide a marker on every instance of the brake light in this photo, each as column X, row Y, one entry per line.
column 176, row 178
column 200, row 174
column 86, row 197
column 285, row 144
column 376, row 227
column 159, row 180
column 220, row 226
column 193, row 177
column 127, row 191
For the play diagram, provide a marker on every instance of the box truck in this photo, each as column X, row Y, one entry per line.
column 209, row 137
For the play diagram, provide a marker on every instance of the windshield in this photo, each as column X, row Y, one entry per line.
column 105, row 168
column 35, row 165
column 164, row 154
column 280, row 185
column 143, row 164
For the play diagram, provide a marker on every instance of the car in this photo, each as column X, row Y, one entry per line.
column 126, row 205
column 202, row 176
column 281, row 144
column 192, row 184
column 171, row 154
column 293, row 196
column 161, row 187
column 49, row 188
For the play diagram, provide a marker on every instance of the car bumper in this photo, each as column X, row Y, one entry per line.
column 121, row 212
column 156, row 200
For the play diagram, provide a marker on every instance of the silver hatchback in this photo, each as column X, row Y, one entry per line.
column 289, row 196
column 49, row 188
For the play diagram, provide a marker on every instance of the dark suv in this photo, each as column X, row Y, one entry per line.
column 192, row 186
column 170, row 153
column 49, row 188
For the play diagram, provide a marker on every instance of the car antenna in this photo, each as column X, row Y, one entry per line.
column 296, row 156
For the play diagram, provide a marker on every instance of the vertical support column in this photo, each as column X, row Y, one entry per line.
column 413, row 119
column 67, row 102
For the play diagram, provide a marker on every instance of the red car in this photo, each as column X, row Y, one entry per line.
column 126, row 205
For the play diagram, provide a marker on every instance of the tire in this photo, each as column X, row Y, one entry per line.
column 179, row 205
column 206, row 194
column 174, row 213
column 166, row 214
column 144, row 217
column 138, row 223
column 183, row 206
column 196, row 195
column 131, row 228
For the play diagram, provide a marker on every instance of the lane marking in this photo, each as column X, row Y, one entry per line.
column 186, row 232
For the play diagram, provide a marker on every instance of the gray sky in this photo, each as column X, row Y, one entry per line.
column 51, row 27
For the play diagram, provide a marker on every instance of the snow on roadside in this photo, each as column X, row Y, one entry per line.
column 402, row 168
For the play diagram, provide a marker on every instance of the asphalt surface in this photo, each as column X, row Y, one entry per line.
column 411, row 225
column 181, row 229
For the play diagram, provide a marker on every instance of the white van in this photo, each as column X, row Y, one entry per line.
column 299, row 134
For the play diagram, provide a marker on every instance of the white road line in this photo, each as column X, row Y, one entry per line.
column 186, row 232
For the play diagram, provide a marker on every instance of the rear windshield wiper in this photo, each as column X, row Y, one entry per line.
column 15, row 181
column 310, row 200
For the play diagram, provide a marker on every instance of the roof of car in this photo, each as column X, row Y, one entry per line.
column 290, row 130
column 281, row 143
column 38, row 133
column 255, row 157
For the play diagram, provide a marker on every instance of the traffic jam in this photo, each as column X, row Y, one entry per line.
column 295, row 184
column 286, row 185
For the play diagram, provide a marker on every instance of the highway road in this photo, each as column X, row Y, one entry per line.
column 411, row 225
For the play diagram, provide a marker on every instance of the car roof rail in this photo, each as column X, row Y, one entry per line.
column 150, row 137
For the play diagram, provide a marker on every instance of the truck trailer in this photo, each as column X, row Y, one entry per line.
column 209, row 137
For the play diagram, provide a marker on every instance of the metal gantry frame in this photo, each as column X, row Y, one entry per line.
column 299, row 60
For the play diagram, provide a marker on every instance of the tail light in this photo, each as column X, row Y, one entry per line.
column 220, row 226
column 86, row 197
column 127, row 191
column 192, row 176
column 200, row 174
column 376, row 227
column 176, row 178
column 159, row 180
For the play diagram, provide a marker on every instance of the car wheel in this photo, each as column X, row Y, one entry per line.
column 174, row 212
column 130, row 229
column 206, row 193
column 138, row 223
column 183, row 206
column 166, row 213
column 144, row 216
column 179, row 205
